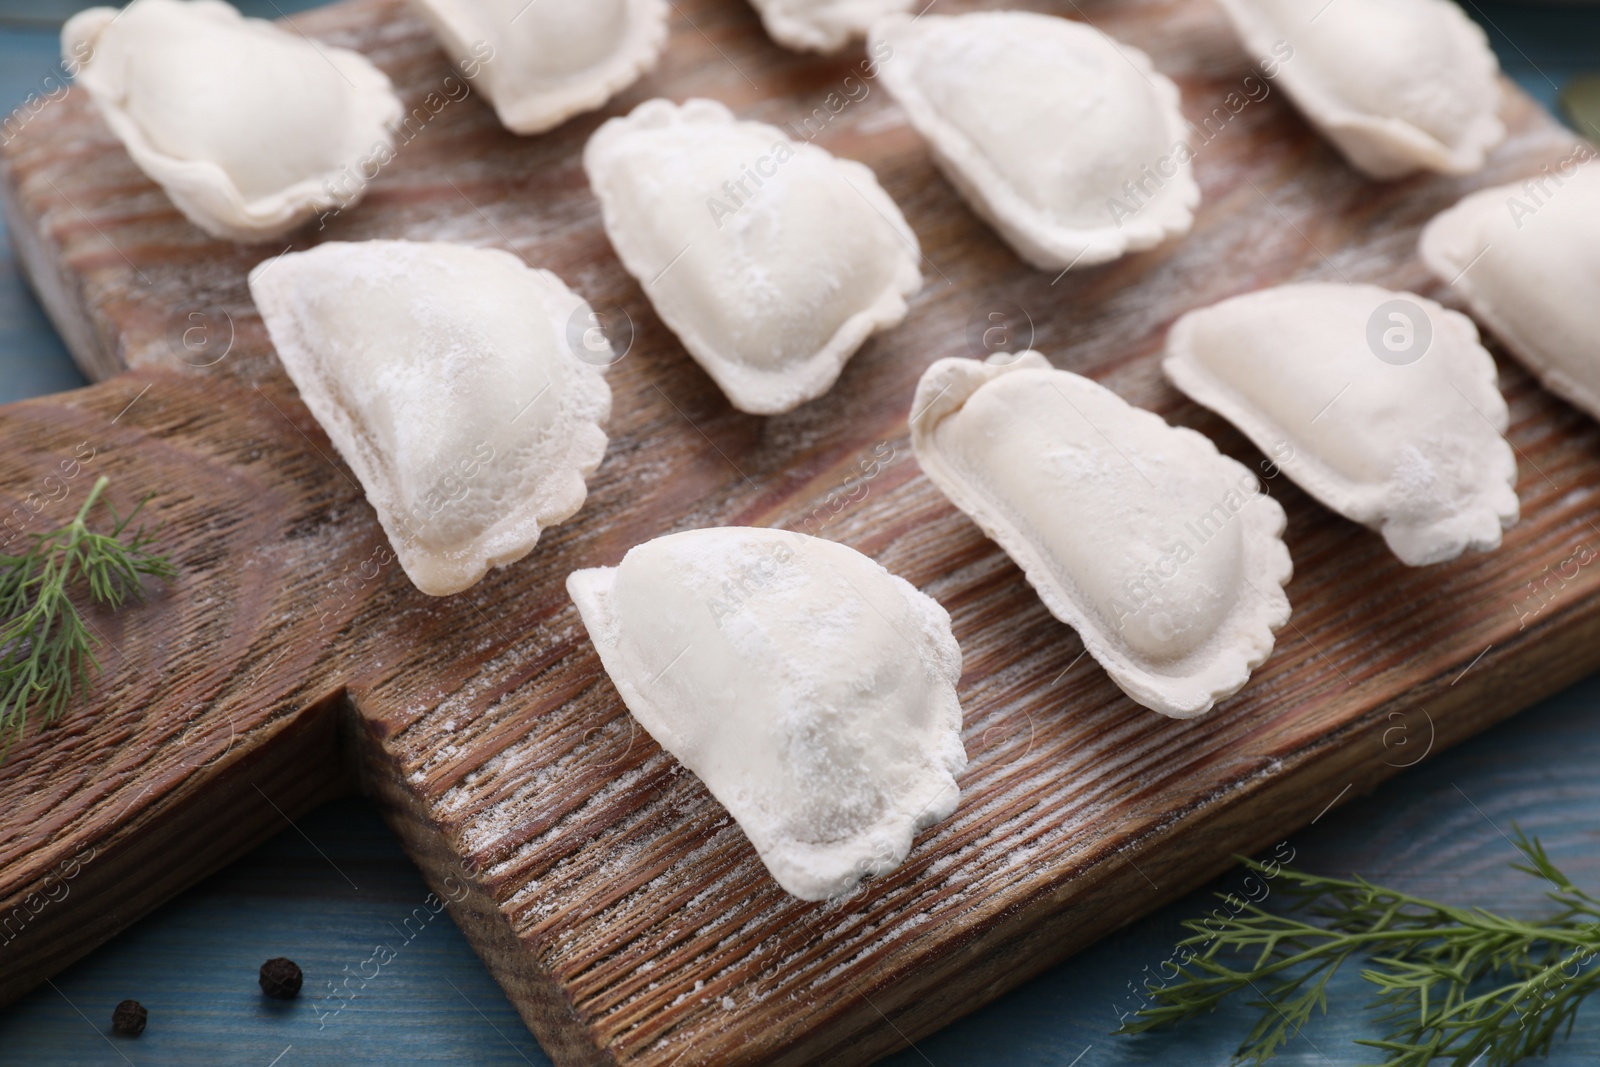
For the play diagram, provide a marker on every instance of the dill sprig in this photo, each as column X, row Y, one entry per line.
column 1461, row 984
column 46, row 645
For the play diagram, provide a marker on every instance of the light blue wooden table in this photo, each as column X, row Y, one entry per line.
column 330, row 889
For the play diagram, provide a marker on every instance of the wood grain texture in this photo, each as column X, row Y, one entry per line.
column 1435, row 831
column 625, row 914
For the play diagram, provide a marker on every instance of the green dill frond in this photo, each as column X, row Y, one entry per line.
column 46, row 644
column 1459, row 985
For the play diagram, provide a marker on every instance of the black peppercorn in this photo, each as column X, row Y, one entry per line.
column 280, row 978
column 129, row 1018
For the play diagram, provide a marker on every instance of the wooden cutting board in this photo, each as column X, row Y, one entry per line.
column 625, row 914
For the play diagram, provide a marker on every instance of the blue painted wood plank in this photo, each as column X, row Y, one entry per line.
column 1541, row 45
column 338, row 900
column 33, row 361
column 338, row 895
column 1441, row 830
column 388, row 977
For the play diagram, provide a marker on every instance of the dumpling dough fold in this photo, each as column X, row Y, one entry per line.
column 1067, row 142
column 1162, row 553
column 812, row 691
column 448, row 378
column 1396, row 85
column 772, row 261
column 249, row 128
column 822, row 25
column 543, row 61
column 1526, row 259
column 1382, row 405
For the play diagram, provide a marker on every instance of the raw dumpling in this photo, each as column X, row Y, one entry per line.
column 447, row 377
column 542, row 61
column 1067, row 142
column 1396, row 85
column 822, row 25
column 1526, row 258
column 811, row 690
column 1163, row 554
column 772, row 261
column 1382, row 405
column 250, row 128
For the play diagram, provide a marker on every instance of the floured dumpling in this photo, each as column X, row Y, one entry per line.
column 1396, row 85
column 822, row 25
column 772, row 261
column 1162, row 553
column 812, row 691
column 1526, row 259
column 448, row 378
column 542, row 61
column 250, row 128
column 1382, row 405
column 1067, row 142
